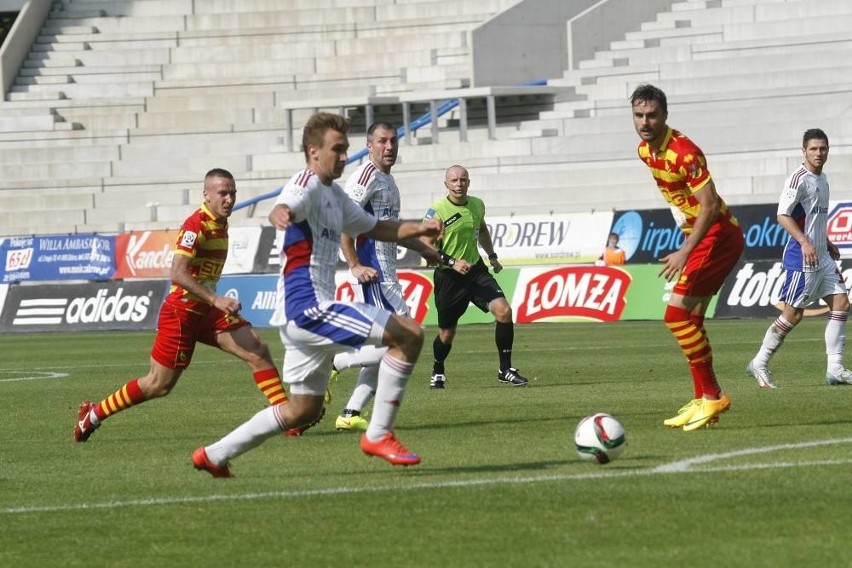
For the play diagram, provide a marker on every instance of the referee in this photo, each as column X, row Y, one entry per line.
column 462, row 277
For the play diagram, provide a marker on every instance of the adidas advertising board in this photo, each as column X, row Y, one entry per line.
column 83, row 307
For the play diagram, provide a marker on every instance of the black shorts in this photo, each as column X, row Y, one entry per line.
column 454, row 292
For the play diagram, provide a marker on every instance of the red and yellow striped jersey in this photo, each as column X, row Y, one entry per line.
column 680, row 170
column 204, row 239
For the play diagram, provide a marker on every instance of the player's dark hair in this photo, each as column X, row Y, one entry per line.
column 646, row 92
column 315, row 128
column 813, row 134
column 220, row 173
column 376, row 125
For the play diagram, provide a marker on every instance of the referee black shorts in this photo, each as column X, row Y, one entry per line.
column 454, row 292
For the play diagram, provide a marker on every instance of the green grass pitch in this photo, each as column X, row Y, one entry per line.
column 500, row 483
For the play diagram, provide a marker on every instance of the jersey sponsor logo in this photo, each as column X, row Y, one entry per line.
column 330, row 235
column 593, row 292
column 188, row 239
column 453, row 219
column 839, row 228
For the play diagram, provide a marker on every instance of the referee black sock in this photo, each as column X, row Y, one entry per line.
column 504, row 336
column 440, row 350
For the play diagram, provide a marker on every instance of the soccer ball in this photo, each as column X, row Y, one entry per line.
column 600, row 438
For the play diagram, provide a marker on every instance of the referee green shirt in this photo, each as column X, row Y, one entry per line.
column 461, row 227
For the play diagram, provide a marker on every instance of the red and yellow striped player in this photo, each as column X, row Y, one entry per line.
column 193, row 312
column 714, row 242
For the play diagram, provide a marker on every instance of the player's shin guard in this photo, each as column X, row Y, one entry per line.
column 393, row 376
column 689, row 332
column 122, row 399
column 264, row 424
column 440, row 351
column 835, row 338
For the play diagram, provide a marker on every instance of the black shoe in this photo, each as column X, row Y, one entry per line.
column 513, row 377
column 438, row 381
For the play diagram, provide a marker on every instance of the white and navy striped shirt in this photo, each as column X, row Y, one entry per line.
column 376, row 192
column 805, row 199
column 309, row 247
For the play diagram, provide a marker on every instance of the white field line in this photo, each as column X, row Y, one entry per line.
column 32, row 376
column 202, row 361
column 681, row 466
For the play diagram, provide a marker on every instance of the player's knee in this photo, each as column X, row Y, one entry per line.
column 447, row 335
column 501, row 310
column 155, row 386
column 841, row 303
column 302, row 411
column 675, row 314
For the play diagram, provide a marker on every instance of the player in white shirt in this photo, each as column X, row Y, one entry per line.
column 373, row 263
column 809, row 261
column 313, row 211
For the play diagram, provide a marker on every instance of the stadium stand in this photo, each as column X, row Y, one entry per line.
column 121, row 105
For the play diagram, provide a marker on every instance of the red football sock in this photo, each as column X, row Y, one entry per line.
column 269, row 383
column 690, row 335
column 122, row 399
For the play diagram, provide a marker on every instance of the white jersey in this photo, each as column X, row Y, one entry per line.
column 805, row 199
column 376, row 192
column 309, row 247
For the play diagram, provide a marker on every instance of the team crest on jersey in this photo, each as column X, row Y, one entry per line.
column 188, row 239
column 695, row 170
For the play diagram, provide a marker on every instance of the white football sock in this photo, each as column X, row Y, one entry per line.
column 772, row 341
column 835, row 340
column 367, row 356
column 393, row 376
column 246, row 436
column 365, row 389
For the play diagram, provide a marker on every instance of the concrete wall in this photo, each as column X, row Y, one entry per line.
column 529, row 41
column 524, row 43
column 17, row 46
column 605, row 22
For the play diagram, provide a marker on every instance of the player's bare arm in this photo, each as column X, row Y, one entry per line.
column 833, row 251
column 386, row 230
column 359, row 271
column 488, row 246
column 708, row 212
column 180, row 275
column 281, row 216
column 426, row 250
column 809, row 256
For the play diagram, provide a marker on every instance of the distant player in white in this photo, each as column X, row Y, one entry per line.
column 373, row 263
column 313, row 211
column 809, row 261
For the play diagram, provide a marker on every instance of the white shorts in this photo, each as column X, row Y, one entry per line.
column 311, row 342
column 387, row 295
column 802, row 289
